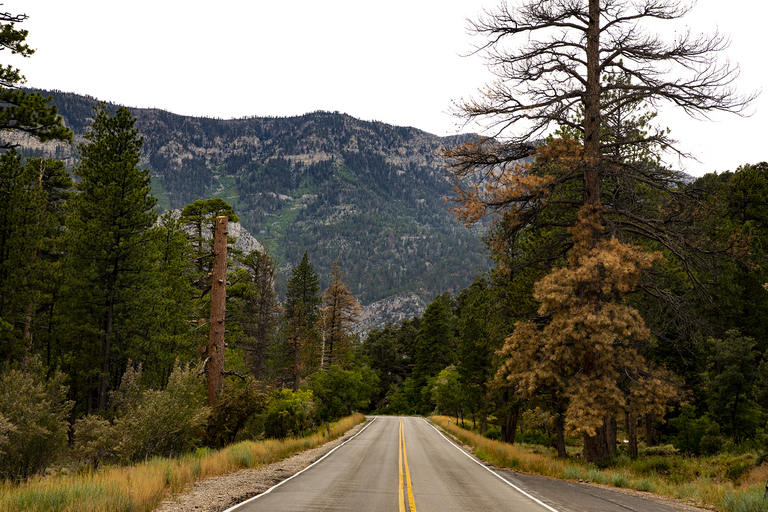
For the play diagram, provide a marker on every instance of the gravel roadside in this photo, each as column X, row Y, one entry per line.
column 222, row 492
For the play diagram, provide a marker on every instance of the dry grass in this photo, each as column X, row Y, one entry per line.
column 701, row 482
column 141, row 487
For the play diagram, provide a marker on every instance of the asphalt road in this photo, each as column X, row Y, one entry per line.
column 405, row 464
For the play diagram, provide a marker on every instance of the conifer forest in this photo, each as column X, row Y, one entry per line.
column 578, row 292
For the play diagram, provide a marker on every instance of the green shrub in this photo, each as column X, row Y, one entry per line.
column 712, row 443
column 654, row 465
column 149, row 422
column 289, row 413
column 236, row 404
column 165, row 422
column 575, row 473
column 618, row 479
column 597, row 476
column 692, row 431
column 661, row 450
column 736, row 467
column 33, row 419
column 493, row 433
column 94, row 440
column 645, row 485
column 754, row 501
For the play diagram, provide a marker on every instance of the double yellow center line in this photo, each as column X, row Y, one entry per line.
column 403, row 462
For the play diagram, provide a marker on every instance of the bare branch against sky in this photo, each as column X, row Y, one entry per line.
column 399, row 62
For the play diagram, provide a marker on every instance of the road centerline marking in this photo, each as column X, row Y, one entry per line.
column 400, row 494
column 404, row 453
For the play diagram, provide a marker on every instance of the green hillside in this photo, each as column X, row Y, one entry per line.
column 368, row 194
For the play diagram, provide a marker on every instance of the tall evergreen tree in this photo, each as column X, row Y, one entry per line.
column 434, row 349
column 109, row 230
column 30, row 222
column 255, row 310
column 302, row 305
column 581, row 65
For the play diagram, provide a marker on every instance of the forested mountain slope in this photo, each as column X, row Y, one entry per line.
column 368, row 194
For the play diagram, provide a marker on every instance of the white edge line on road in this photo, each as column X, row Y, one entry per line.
column 303, row 470
column 490, row 470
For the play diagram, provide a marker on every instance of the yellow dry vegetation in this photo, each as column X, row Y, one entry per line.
column 141, row 487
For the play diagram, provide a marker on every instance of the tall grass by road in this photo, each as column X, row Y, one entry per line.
column 141, row 487
column 728, row 483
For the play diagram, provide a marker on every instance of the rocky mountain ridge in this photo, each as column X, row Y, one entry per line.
column 366, row 194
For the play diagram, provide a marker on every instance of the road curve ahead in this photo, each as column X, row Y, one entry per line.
column 394, row 464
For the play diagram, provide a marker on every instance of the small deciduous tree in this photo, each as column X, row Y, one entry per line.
column 448, row 392
column 341, row 392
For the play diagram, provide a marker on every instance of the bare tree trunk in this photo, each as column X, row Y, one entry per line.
column 560, row 435
column 216, row 345
column 596, row 447
column 592, row 110
column 632, row 430
column 649, row 439
column 611, row 434
column 509, row 427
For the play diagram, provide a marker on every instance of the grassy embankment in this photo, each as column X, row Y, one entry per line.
column 141, row 487
column 728, row 483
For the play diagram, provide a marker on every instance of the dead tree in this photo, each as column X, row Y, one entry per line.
column 216, row 345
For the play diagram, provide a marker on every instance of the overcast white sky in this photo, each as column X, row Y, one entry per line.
column 396, row 61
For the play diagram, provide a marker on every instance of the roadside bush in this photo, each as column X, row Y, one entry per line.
column 33, row 419
column 149, row 422
column 696, row 435
column 734, row 468
column 237, row 403
column 290, row 414
column 653, row 465
column 341, row 392
column 94, row 440
column 493, row 433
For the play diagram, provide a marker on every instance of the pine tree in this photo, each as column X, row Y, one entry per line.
column 339, row 312
column 30, row 223
column 302, row 304
column 587, row 351
column 20, row 110
column 255, row 309
column 580, row 66
column 434, row 349
column 110, row 262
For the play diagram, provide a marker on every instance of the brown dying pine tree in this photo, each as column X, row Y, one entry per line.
column 554, row 61
column 339, row 312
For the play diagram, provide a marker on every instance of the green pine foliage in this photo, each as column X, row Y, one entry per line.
column 21, row 110
column 111, row 262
